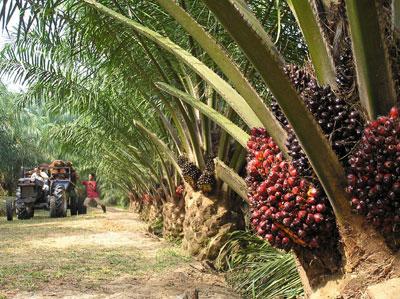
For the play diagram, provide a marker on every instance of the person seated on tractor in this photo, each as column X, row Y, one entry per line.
column 40, row 178
column 92, row 193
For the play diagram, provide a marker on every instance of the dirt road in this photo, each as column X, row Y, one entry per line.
column 97, row 256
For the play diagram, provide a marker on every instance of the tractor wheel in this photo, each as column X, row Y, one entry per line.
column 73, row 205
column 30, row 212
column 9, row 209
column 81, row 207
column 21, row 211
column 53, row 207
column 60, row 203
column 20, row 208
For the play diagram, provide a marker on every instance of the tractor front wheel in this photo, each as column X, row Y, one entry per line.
column 58, row 203
column 30, row 212
column 22, row 212
column 9, row 209
column 20, row 208
column 53, row 207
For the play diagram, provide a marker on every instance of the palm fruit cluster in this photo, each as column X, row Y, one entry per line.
column 374, row 174
column 207, row 181
column 345, row 68
column 341, row 124
column 286, row 210
column 300, row 80
column 146, row 198
column 276, row 110
column 209, row 161
column 190, row 172
column 179, row 191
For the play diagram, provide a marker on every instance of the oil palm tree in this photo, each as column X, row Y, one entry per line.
column 19, row 142
column 353, row 54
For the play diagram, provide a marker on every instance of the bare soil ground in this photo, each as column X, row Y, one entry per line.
column 97, row 256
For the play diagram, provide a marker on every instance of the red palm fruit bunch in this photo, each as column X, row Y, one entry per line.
column 286, row 210
column 179, row 191
column 146, row 198
column 374, row 174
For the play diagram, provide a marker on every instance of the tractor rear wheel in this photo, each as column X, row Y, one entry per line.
column 73, row 206
column 81, row 207
column 9, row 209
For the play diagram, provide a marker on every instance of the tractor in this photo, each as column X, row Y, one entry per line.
column 59, row 197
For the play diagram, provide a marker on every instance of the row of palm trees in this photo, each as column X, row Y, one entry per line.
column 19, row 139
column 150, row 80
column 108, row 76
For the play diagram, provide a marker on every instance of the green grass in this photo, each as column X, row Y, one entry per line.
column 82, row 266
column 27, row 264
column 170, row 257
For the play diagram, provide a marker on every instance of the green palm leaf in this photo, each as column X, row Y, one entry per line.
column 374, row 74
column 236, row 132
column 231, row 71
column 221, row 86
column 315, row 39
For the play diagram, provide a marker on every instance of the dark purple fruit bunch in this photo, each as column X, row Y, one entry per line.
column 209, row 163
column 345, row 68
column 300, row 80
column 299, row 158
column 341, row 123
column 207, row 182
column 276, row 110
column 190, row 172
column 374, row 174
column 286, row 210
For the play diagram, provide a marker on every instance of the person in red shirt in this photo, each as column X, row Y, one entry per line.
column 92, row 193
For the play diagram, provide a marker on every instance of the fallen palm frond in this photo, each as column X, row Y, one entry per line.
column 257, row 270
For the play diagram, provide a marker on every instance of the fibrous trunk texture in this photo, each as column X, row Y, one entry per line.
column 173, row 217
column 134, row 204
column 208, row 221
column 150, row 211
column 367, row 261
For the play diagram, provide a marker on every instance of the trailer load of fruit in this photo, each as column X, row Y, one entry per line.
column 62, row 169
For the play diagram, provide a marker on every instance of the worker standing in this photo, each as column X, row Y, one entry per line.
column 92, row 193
